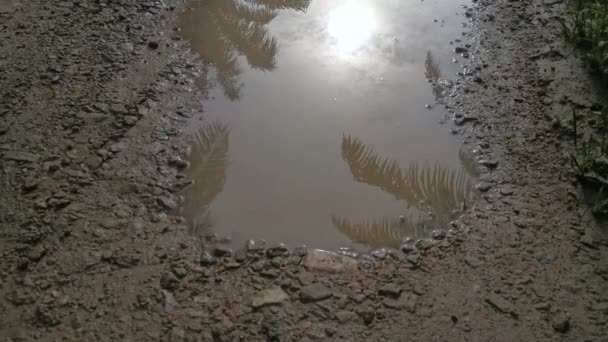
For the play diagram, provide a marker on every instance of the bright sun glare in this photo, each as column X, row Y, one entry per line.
column 351, row 26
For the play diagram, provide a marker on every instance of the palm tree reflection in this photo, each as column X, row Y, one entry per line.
column 427, row 188
column 385, row 231
column 209, row 161
column 222, row 30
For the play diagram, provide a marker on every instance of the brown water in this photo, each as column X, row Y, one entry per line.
column 316, row 128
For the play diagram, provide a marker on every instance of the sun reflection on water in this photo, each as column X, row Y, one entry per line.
column 350, row 26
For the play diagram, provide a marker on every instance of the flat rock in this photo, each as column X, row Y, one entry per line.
column 501, row 304
column 344, row 316
column 325, row 261
column 390, row 290
column 314, row 292
column 272, row 296
column 407, row 302
column 22, row 156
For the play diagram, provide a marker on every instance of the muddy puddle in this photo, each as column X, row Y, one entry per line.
column 322, row 121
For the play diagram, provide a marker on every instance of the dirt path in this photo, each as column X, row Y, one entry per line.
column 93, row 96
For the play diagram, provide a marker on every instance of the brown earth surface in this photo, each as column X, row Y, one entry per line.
column 94, row 96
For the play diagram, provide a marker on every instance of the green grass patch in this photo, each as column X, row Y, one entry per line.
column 587, row 28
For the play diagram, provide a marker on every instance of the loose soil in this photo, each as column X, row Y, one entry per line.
column 95, row 95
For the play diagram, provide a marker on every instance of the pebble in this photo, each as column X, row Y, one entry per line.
column 561, row 323
column 502, row 305
column 367, row 314
column 326, row 261
column 344, row 316
column 167, row 202
column 206, row 259
column 221, row 251
column 277, row 251
column 118, row 108
column 390, row 290
column 272, row 296
column 169, row 281
column 314, row 293
column 153, row 45
column 408, row 247
column 438, row 234
column 483, row 187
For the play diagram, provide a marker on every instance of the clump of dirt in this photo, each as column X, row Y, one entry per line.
column 94, row 94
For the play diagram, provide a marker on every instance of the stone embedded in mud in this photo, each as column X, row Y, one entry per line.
column 438, row 234
column 483, row 187
column 407, row 302
column 367, row 314
column 221, row 251
column 344, row 316
column 325, row 261
column 390, row 290
column 272, row 296
column 118, row 108
column 491, row 164
column 207, row 259
column 409, row 247
column 277, row 250
column 561, row 323
column 167, row 202
column 169, row 281
column 255, row 245
column 22, row 156
column 314, row 293
column 502, row 305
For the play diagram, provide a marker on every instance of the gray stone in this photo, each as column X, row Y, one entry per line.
column 407, row 302
column 207, row 259
column 344, row 316
column 305, row 278
column 367, row 314
column 169, row 281
column 167, row 202
column 325, row 261
column 22, row 156
column 272, row 296
column 438, row 234
column 561, row 323
column 277, row 251
column 502, row 305
column 483, row 187
column 472, row 261
column 409, row 247
column 413, row 259
column 118, row 108
column 256, row 245
column 221, row 251
column 390, row 290
column 491, row 164
column 314, row 292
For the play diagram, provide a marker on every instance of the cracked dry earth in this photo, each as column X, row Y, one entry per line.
column 94, row 97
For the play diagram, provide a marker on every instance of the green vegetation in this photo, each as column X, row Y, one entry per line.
column 587, row 28
column 591, row 159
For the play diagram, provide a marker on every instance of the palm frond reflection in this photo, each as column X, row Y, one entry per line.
column 385, row 231
column 221, row 30
column 209, row 162
column 428, row 187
